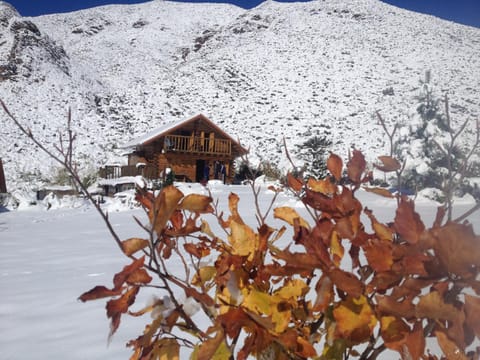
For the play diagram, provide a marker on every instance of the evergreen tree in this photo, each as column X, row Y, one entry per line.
column 170, row 178
column 418, row 143
column 314, row 152
column 431, row 150
column 245, row 171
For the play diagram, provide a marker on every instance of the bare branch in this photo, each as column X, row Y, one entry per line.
column 440, row 147
column 74, row 175
column 467, row 213
column 287, row 154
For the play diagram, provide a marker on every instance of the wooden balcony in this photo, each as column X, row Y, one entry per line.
column 201, row 145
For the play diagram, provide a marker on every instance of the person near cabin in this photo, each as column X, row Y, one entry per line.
column 216, row 171
column 168, row 145
column 206, row 172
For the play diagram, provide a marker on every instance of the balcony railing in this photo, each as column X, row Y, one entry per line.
column 198, row 145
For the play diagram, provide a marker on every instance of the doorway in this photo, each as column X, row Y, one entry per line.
column 200, row 168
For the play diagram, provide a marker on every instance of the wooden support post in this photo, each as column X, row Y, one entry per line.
column 202, row 142
column 211, row 142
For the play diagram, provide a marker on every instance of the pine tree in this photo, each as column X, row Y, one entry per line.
column 314, row 152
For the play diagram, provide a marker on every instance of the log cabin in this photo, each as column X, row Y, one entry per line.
column 191, row 148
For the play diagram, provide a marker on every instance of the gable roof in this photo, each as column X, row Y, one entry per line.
column 154, row 134
column 170, row 127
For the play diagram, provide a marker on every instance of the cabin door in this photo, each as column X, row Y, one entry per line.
column 200, row 169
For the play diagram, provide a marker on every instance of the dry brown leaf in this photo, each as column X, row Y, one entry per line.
column 388, row 164
column 379, row 254
column 388, row 305
column 356, row 167
column 433, row 307
column 407, row 222
column 449, row 348
column 416, row 342
column 355, row 319
column 290, row 215
column 165, row 204
column 305, row 349
column 99, row 292
column 139, row 276
column 294, row 183
column 209, row 347
column 196, row 203
column 117, row 307
column 394, row 332
column 335, row 166
column 346, row 282
column 325, row 295
column 197, row 250
column 458, row 248
column 324, row 186
column 132, row 245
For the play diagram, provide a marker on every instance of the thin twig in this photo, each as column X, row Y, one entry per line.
column 467, row 213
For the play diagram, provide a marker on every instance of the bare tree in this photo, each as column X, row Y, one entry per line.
column 63, row 154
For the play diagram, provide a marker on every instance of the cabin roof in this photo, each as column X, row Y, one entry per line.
column 175, row 125
column 154, row 134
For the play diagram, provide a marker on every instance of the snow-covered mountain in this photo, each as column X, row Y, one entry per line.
column 279, row 70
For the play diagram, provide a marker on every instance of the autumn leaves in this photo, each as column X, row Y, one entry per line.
column 403, row 283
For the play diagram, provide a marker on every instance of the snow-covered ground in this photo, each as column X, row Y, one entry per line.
column 48, row 258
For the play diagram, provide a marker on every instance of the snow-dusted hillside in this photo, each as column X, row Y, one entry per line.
column 281, row 69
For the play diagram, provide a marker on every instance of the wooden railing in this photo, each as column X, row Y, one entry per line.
column 198, row 145
column 114, row 172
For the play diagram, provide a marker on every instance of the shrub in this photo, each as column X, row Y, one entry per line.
column 271, row 170
column 245, row 171
column 407, row 282
column 61, row 177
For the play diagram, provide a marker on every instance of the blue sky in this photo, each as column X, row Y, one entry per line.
column 461, row 11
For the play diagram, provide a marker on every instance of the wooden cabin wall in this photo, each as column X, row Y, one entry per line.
column 181, row 165
column 185, row 168
column 162, row 162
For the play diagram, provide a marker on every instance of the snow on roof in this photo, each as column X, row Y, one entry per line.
column 152, row 134
column 118, row 181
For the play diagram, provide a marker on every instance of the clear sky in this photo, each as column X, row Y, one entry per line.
column 461, row 11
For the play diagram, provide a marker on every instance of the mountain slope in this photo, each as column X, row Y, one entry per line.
column 279, row 70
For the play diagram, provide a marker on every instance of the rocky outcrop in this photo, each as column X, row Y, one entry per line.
column 24, row 49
